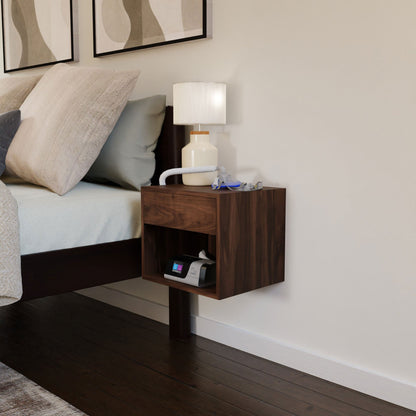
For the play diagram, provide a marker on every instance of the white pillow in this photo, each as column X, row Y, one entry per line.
column 66, row 120
column 14, row 90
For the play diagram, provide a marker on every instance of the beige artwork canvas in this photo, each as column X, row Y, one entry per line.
column 124, row 25
column 36, row 33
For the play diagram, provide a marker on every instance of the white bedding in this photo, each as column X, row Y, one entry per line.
column 88, row 214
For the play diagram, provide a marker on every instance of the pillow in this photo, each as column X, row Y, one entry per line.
column 14, row 90
column 127, row 157
column 9, row 123
column 65, row 122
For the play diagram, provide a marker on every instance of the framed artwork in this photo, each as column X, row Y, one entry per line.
column 36, row 33
column 125, row 25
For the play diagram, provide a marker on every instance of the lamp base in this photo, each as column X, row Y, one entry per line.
column 199, row 152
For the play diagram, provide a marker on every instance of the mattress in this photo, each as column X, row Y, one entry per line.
column 88, row 214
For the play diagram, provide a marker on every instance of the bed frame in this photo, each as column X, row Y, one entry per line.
column 60, row 271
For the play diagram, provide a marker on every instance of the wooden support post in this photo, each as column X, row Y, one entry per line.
column 179, row 314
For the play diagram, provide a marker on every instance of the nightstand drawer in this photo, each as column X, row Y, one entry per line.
column 184, row 212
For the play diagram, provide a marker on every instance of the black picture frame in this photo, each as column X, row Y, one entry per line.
column 25, row 46
column 132, row 44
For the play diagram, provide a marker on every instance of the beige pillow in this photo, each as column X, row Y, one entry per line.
column 65, row 123
column 14, row 90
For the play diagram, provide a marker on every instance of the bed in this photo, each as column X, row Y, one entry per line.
column 76, row 124
column 66, row 270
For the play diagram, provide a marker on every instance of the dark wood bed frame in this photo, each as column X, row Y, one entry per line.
column 55, row 272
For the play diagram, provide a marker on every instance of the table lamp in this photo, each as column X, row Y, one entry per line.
column 196, row 103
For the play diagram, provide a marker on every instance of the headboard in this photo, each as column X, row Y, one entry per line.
column 168, row 150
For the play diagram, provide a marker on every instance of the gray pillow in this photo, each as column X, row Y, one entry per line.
column 127, row 158
column 9, row 123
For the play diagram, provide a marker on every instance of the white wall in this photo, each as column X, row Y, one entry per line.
column 322, row 100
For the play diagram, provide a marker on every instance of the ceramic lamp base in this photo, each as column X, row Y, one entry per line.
column 199, row 152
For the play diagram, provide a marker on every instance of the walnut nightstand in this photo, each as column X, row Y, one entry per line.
column 244, row 230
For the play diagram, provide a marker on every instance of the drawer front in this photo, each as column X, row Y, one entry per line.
column 191, row 213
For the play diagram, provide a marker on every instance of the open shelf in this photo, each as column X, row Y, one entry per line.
column 163, row 243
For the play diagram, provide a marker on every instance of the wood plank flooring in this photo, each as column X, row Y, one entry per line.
column 106, row 361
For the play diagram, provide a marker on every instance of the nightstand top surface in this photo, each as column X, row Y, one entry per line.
column 204, row 190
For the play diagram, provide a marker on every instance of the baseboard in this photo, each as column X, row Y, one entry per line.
column 365, row 381
column 394, row 391
column 129, row 303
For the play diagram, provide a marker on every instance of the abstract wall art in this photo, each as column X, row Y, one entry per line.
column 125, row 25
column 36, row 33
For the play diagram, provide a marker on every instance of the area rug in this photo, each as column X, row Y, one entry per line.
column 21, row 396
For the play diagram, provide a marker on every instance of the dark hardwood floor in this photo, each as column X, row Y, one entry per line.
column 106, row 361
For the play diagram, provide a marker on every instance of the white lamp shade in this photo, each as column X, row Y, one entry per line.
column 199, row 103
